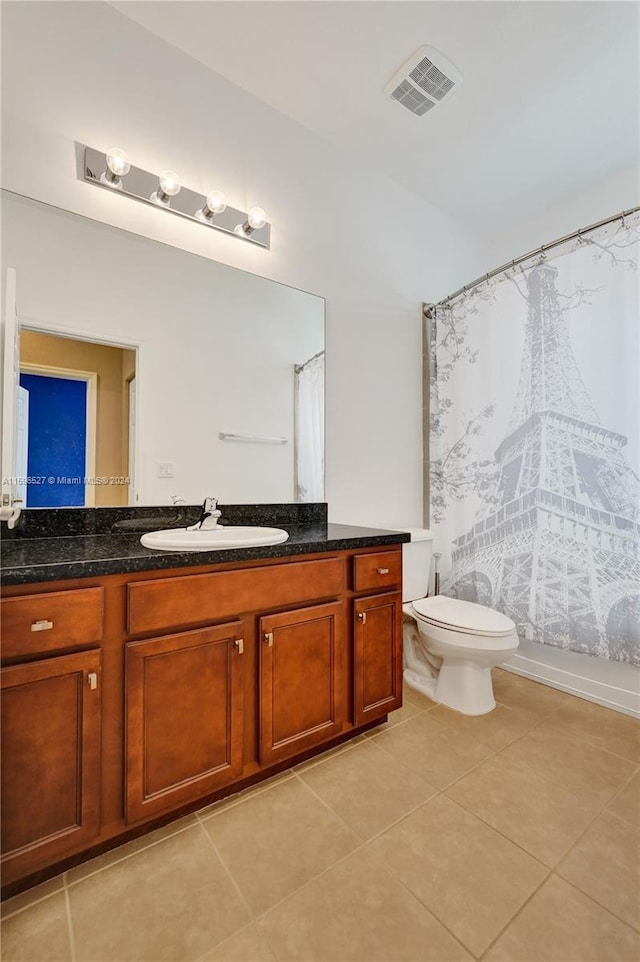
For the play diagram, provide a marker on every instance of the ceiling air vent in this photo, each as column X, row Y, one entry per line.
column 424, row 81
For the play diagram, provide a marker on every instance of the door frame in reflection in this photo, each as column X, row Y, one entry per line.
column 90, row 378
column 38, row 326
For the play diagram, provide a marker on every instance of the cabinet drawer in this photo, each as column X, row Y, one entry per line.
column 197, row 599
column 55, row 620
column 380, row 570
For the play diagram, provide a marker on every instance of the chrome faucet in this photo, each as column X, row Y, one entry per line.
column 208, row 516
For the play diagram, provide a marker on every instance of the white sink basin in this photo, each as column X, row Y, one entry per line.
column 227, row 536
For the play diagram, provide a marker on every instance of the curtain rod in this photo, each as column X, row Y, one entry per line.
column 300, row 367
column 427, row 309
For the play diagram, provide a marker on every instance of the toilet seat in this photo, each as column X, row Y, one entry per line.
column 462, row 619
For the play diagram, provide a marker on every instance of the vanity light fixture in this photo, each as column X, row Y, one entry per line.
column 113, row 170
column 117, row 167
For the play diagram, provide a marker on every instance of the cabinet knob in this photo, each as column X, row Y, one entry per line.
column 383, row 571
column 268, row 638
column 362, row 616
column 239, row 643
column 42, row 625
column 92, row 678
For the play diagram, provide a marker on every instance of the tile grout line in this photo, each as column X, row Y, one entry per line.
column 253, row 919
column 588, row 739
column 72, row 938
column 125, row 858
column 537, row 888
column 470, row 811
column 388, row 870
column 601, row 811
column 212, row 948
column 575, row 885
column 585, row 739
column 548, row 868
column 544, row 778
column 385, row 868
column 227, row 872
column 391, row 872
column 554, row 874
column 525, row 765
column 592, row 898
column 239, row 893
column 436, row 791
column 9, row 915
column 232, row 801
column 622, row 789
column 598, row 812
column 413, row 896
column 492, row 754
column 339, row 750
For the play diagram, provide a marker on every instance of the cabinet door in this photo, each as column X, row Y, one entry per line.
column 51, row 735
column 301, row 679
column 184, row 717
column 377, row 657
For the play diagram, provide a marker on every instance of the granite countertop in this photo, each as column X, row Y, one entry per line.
column 28, row 560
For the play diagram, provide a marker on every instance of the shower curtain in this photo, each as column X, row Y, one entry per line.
column 534, row 444
column 309, row 429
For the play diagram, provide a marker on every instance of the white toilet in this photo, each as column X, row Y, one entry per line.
column 450, row 646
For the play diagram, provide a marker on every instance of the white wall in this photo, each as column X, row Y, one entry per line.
column 80, row 72
column 578, row 210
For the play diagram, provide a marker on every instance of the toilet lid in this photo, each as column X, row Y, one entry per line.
column 463, row 616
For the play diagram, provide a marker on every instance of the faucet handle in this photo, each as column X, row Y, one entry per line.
column 210, row 505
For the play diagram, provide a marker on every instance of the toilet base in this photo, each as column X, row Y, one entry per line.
column 466, row 687
column 421, row 683
column 462, row 686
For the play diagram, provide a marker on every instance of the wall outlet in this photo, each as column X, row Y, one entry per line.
column 165, row 469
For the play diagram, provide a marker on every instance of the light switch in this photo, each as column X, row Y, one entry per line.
column 165, row 469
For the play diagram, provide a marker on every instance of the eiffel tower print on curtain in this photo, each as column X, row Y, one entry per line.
column 559, row 551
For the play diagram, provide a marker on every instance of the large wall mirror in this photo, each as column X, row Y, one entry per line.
column 148, row 373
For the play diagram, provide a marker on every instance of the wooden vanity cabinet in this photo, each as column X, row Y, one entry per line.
column 377, row 635
column 51, row 705
column 205, row 681
column 51, row 712
column 302, row 692
column 377, row 657
column 184, row 696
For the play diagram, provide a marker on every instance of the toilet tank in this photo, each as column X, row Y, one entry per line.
column 416, row 563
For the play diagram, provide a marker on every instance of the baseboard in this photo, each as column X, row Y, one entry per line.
column 577, row 674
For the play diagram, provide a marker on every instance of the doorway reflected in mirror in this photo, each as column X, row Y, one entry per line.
column 75, row 422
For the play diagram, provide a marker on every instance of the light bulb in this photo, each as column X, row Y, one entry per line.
column 256, row 218
column 117, row 162
column 216, row 202
column 169, row 183
column 169, row 186
column 117, row 167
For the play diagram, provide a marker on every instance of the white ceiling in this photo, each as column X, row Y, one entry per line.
column 549, row 103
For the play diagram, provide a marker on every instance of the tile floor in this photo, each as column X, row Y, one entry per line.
column 513, row 837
